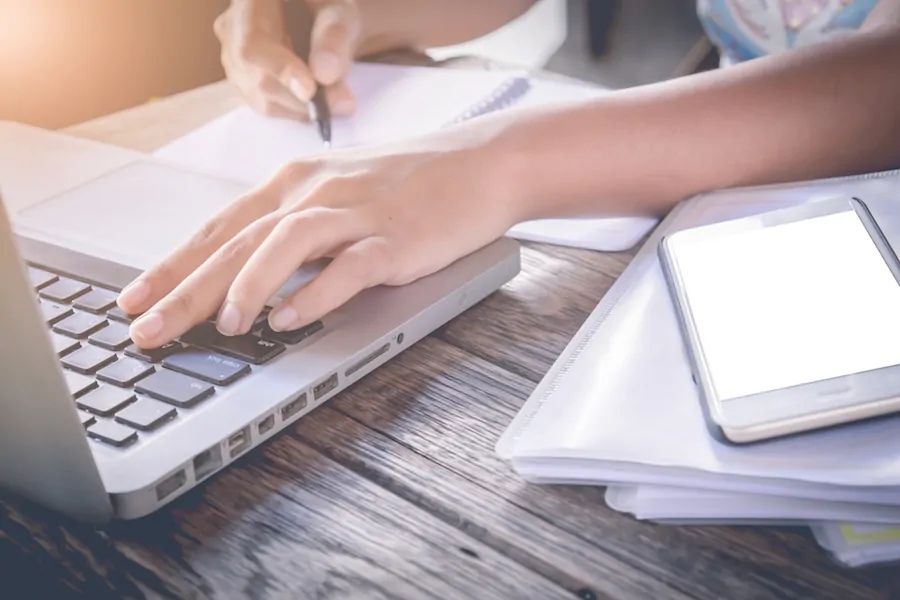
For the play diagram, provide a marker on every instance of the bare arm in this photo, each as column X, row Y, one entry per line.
column 420, row 24
column 821, row 111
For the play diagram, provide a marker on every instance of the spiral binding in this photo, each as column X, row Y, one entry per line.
column 505, row 95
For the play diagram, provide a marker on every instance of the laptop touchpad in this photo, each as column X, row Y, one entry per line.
column 135, row 215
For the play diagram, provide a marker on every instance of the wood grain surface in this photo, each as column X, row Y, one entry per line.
column 393, row 489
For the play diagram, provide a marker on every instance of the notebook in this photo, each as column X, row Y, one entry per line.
column 619, row 405
column 858, row 544
column 397, row 102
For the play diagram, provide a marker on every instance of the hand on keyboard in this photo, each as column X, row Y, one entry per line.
column 385, row 216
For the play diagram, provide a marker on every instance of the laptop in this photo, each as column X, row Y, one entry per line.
column 97, row 429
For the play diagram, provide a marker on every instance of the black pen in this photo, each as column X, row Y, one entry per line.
column 320, row 114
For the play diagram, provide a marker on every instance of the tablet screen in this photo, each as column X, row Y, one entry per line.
column 790, row 304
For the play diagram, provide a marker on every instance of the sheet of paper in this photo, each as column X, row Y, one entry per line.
column 394, row 102
column 651, row 502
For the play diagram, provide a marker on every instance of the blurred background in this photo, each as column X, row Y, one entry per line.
column 67, row 61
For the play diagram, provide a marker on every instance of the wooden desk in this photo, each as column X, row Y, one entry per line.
column 393, row 490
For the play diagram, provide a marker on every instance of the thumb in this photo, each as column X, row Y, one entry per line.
column 336, row 29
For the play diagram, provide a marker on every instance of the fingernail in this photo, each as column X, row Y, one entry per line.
column 326, row 67
column 135, row 293
column 229, row 321
column 283, row 318
column 148, row 326
column 298, row 90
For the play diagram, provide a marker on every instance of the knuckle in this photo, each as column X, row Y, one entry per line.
column 208, row 232
column 220, row 25
column 180, row 303
column 293, row 172
column 293, row 224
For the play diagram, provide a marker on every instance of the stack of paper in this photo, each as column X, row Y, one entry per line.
column 396, row 103
column 619, row 408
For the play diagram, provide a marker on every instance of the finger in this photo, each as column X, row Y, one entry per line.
column 277, row 108
column 341, row 100
column 280, row 62
column 200, row 293
column 298, row 238
column 336, row 29
column 361, row 266
column 161, row 279
column 270, row 90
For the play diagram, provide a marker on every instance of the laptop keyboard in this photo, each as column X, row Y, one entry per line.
column 123, row 392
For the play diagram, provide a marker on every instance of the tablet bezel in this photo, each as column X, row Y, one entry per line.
column 798, row 408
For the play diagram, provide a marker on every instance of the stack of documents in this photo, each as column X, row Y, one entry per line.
column 395, row 103
column 619, row 408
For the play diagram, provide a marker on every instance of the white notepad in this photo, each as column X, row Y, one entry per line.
column 619, row 405
column 677, row 504
column 397, row 102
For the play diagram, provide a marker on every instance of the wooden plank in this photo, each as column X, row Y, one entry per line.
column 566, row 559
column 285, row 522
column 456, row 418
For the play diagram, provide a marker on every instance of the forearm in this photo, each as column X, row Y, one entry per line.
column 420, row 24
column 819, row 112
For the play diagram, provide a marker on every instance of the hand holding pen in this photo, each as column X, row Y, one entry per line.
column 264, row 46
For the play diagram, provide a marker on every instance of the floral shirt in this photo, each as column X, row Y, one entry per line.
column 747, row 29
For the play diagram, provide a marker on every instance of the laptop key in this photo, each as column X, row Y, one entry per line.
column 41, row 278
column 78, row 384
column 96, row 301
column 62, row 344
column 175, row 388
column 153, row 355
column 64, row 290
column 248, row 348
column 80, row 325
column 291, row 337
column 112, row 433
column 54, row 313
column 86, row 419
column 88, row 359
column 112, row 337
column 207, row 366
column 146, row 414
column 117, row 314
column 105, row 400
column 125, row 372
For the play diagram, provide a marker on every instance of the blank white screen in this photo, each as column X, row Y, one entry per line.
column 791, row 304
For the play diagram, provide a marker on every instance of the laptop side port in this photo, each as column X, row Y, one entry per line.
column 239, row 442
column 293, row 407
column 367, row 359
column 266, row 425
column 324, row 388
column 170, row 485
column 207, row 462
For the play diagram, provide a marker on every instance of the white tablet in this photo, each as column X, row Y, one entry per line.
column 791, row 318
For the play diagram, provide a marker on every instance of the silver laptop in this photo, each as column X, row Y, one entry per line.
column 95, row 428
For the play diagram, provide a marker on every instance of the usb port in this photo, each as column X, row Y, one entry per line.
column 171, row 485
column 239, row 442
column 293, row 407
column 324, row 388
column 206, row 462
column 266, row 425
